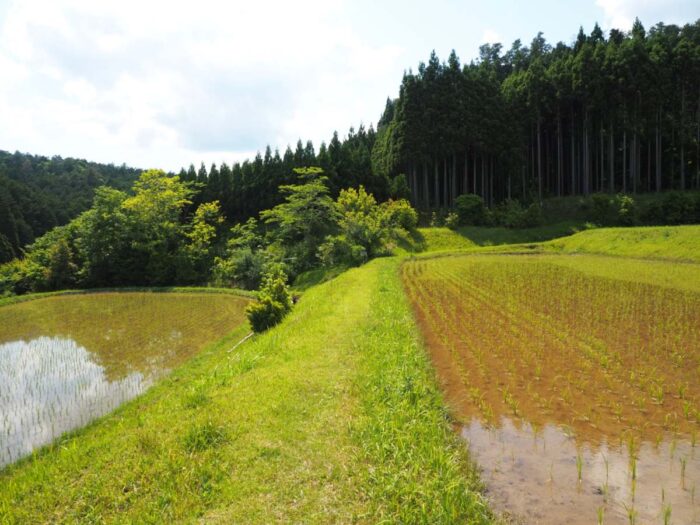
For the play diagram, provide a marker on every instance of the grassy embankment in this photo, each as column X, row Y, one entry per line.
column 679, row 243
column 333, row 416
column 14, row 299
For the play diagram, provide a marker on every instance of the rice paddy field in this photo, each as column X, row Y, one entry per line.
column 576, row 380
column 68, row 359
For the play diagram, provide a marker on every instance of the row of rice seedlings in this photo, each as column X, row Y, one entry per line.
column 657, row 394
column 478, row 314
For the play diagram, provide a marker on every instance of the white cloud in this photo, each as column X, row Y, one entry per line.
column 620, row 14
column 163, row 83
column 491, row 37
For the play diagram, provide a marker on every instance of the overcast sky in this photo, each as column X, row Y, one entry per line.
column 167, row 83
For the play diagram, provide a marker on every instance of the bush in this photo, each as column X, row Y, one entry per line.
column 436, row 220
column 677, row 208
column 274, row 302
column 613, row 210
column 512, row 214
column 339, row 251
column 471, row 210
column 601, row 209
column 400, row 214
column 625, row 210
column 452, row 220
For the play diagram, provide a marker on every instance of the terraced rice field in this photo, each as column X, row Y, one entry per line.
column 577, row 379
column 68, row 359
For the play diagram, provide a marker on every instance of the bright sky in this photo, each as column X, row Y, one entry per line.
column 165, row 83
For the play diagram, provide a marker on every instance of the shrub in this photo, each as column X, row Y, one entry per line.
column 532, row 217
column 436, row 220
column 601, row 209
column 339, row 251
column 242, row 267
column 512, row 214
column 274, row 302
column 452, row 220
column 625, row 210
column 471, row 210
column 612, row 210
column 400, row 214
column 678, row 208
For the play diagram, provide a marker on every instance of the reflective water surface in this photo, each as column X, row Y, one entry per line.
column 533, row 475
column 50, row 385
column 67, row 360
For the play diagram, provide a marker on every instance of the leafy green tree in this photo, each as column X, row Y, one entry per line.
column 300, row 224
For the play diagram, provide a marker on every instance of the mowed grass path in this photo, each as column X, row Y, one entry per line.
column 332, row 417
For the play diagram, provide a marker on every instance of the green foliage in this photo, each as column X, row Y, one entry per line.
column 674, row 208
column 198, row 255
column 613, row 210
column 452, row 220
column 366, row 228
column 142, row 239
column 400, row 214
column 302, row 222
column 471, row 210
column 511, row 214
column 398, row 189
column 39, row 193
column 274, row 302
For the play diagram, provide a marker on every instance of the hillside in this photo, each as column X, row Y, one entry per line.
column 38, row 193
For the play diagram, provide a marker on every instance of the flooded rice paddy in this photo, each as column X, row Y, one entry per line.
column 67, row 360
column 576, row 382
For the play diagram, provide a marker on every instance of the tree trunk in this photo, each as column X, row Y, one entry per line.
column 601, row 167
column 492, row 171
column 539, row 159
column 474, row 172
column 658, row 151
column 681, row 137
column 446, row 187
column 483, row 178
column 612, row 157
column 426, row 186
column 465, row 181
column 437, row 185
column 454, row 179
column 573, row 154
column 624, row 161
column 559, row 158
column 633, row 162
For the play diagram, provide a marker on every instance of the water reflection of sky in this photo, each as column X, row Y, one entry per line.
column 533, row 474
column 49, row 385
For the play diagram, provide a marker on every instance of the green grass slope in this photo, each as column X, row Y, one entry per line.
column 663, row 242
column 433, row 240
column 333, row 416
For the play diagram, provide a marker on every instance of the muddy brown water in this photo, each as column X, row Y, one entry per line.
column 532, row 475
column 577, row 396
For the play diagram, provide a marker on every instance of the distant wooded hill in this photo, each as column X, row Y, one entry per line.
column 38, row 193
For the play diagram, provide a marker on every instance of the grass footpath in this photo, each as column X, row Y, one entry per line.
column 332, row 417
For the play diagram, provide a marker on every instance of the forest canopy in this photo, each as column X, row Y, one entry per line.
column 615, row 113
